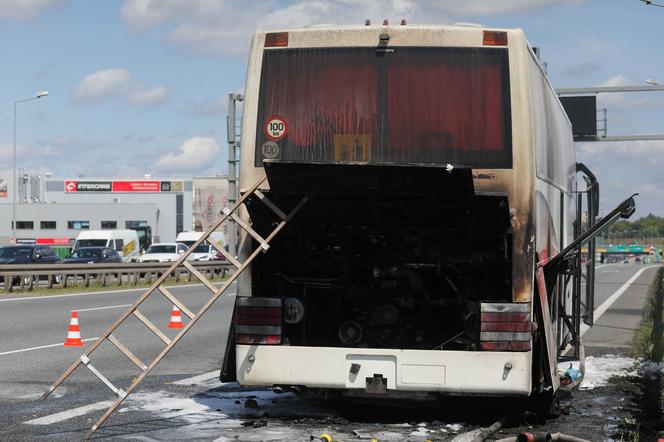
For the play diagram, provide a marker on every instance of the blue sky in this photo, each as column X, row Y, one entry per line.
column 140, row 86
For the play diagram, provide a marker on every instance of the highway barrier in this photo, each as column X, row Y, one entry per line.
column 26, row 277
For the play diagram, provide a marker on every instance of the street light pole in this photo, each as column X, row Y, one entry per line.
column 14, row 181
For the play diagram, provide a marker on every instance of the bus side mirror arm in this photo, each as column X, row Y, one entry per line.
column 562, row 261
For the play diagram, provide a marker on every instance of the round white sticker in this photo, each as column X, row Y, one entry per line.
column 270, row 149
column 276, row 128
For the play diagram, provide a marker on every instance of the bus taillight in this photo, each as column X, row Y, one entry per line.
column 258, row 320
column 495, row 38
column 505, row 327
column 276, row 39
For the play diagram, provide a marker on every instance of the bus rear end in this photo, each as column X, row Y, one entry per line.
column 398, row 275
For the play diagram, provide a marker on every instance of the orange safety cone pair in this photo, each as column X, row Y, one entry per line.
column 74, row 334
column 176, row 318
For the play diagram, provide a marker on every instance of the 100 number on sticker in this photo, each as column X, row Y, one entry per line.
column 276, row 128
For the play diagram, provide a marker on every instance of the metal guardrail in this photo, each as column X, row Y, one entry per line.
column 24, row 276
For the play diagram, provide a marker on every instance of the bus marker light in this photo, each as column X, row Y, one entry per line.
column 276, row 39
column 494, row 38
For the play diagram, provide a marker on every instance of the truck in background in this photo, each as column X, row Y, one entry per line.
column 125, row 242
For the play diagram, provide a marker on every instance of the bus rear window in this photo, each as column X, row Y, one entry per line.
column 414, row 105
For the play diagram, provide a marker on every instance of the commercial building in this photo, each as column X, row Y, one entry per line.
column 210, row 196
column 54, row 210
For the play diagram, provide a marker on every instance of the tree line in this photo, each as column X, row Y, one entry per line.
column 650, row 225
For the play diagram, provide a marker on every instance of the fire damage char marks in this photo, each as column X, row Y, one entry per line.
column 392, row 257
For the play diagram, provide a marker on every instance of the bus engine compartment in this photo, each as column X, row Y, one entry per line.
column 383, row 256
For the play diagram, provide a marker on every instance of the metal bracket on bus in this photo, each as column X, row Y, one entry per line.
column 377, row 384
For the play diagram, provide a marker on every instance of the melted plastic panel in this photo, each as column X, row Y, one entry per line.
column 412, row 105
column 286, row 177
column 383, row 256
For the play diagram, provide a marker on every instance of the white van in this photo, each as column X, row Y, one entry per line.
column 204, row 252
column 124, row 241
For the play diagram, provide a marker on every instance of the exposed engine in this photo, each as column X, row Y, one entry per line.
column 383, row 270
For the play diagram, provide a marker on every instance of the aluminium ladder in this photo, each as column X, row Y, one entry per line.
column 193, row 317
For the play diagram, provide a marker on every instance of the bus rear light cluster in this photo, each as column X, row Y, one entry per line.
column 505, row 327
column 258, row 320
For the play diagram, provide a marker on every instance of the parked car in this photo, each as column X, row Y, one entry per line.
column 93, row 255
column 205, row 251
column 164, row 252
column 28, row 254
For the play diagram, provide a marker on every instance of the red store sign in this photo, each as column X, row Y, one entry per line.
column 136, row 186
column 54, row 241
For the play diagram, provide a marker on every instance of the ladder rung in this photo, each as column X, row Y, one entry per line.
column 227, row 255
column 119, row 391
column 175, row 301
column 200, row 276
column 251, row 231
column 153, row 328
column 132, row 357
column 270, row 204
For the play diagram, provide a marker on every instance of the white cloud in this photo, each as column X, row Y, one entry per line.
column 638, row 150
column 626, row 167
column 211, row 107
column 117, row 82
column 102, row 84
column 28, row 152
column 24, row 9
column 627, row 100
column 618, row 80
column 195, row 154
column 148, row 97
column 225, row 27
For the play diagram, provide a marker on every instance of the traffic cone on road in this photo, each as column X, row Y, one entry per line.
column 176, row 319
column 74, row 334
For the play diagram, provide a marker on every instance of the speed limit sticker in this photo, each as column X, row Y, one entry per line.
column 270, row 150
column 275, row 127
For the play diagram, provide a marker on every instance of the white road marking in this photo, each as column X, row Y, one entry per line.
column 41, row 347
column 69, row 414
column 198, row 379
column 48, row 297
column 85, row 409
column 101, row 308
column 599, row 311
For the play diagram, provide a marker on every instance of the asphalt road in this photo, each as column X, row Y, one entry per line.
column 26, row 370
column 31, row 330
column 614, row 330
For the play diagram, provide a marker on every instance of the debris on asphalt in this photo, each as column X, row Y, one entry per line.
column 250, row 403
column 254, row 423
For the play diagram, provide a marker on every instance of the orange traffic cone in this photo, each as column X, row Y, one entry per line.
column 74, row 334
column 176, row 319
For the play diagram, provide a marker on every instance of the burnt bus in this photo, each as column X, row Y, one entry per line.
column 439, row 251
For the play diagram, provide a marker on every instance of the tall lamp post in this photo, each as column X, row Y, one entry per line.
column 14, row 181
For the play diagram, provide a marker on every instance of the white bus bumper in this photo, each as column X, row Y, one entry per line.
column 451, row 372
